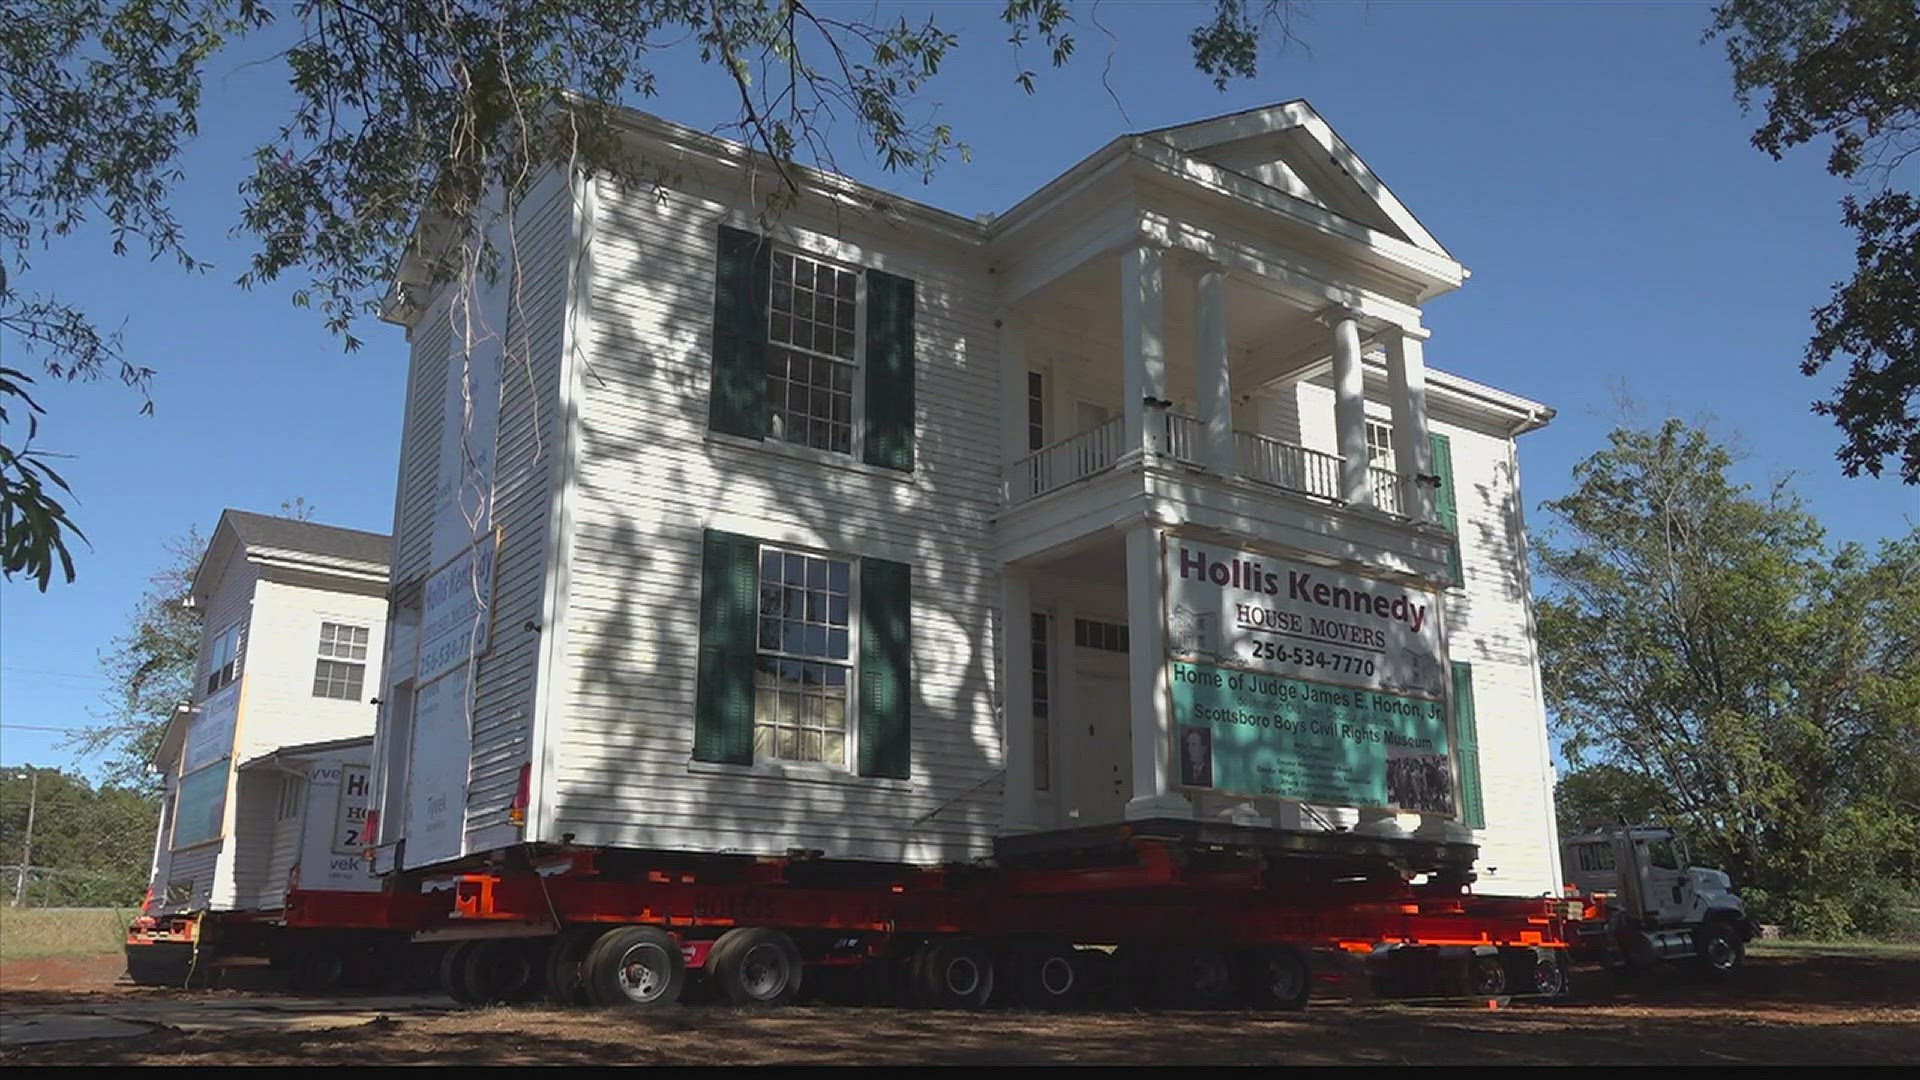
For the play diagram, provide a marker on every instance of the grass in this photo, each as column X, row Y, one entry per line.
column 1790, row 947
column 37, row 932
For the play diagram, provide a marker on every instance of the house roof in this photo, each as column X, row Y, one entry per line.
column 324, row 547
column 305, row 750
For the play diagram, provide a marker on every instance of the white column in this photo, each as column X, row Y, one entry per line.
column 1013, row 401
column 1412, row 450
column 1210, row 368
column 1016, row 689
column 1152, row 710
column 1350, row 411
column 1142, row 344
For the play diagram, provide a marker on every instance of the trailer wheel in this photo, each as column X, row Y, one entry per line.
column 1049, row 975
column 501, row 970
column 420, row 969
column 319, row 968
column 565, row 958
column 1196, row 977
column 755, row 967
column 953, row 975
column 1718, row 949
column 1486, row 976
column 636, row 967
column 453, row 980
column 1534, row 972
column 1279, row 977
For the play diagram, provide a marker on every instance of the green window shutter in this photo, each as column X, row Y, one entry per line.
column 890, row 362
column 1466, row 748
column 729, row 607
column 1447, row 505
column 743, row 287
column 886, row 668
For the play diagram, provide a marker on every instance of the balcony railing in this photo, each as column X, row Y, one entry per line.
column 1386, row 490
column 1259, row 458
column 1285, row 465
column 1059, row 464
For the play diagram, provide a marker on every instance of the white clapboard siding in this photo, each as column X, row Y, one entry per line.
column 526, row 456
column 650, row 480
column 1489, row 626
column 250, row 845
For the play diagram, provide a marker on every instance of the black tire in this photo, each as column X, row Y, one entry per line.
column 1535, row 973
column 1049, row 975
column 1278, row 977
column 1718, row 950
column 565, row 957
column 503, row 971
column 453, row 979
column 635, row 967
column 1486, row 977
column 955, row 974
column 754, row 967
column 1196, row 977
column 320, row 968
column 420, row 969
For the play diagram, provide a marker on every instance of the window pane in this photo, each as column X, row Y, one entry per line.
column 769, row 567
column 837, row 576
column 837, row 644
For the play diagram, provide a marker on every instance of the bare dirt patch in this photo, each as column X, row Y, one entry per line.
column 1787, row 1010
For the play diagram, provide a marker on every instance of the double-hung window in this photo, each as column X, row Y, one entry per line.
column 341, row 670
column 804, row 658
column 223, row 659
column 813, row 352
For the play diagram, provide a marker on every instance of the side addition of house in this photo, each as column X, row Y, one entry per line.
column 267, row 767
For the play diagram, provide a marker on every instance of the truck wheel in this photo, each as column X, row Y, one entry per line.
column 420, row 968
column 453, row 966
column 1718, row 948
column 501, row 970
column 564, row 959
column 1486, row 977
column 754, row 967
column 1536, row 973
column 1278, row 978
column 1049, row 975
column 1197, row 977
column 635, row 967
column 953, row 975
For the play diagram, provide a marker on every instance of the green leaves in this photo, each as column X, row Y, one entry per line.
column 1849, row 71
column 1730, row 673
column 34, row 525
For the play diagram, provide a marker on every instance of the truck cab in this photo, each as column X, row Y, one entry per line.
column 1658, row 905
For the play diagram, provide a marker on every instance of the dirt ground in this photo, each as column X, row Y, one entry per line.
column 1814, row 1009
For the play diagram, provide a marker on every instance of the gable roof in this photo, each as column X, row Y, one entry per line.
column 321, row 546
column 1291, row 148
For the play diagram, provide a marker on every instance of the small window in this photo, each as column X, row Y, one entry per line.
column 1042, row 705
column 804, row 660
column 200, row 805
column 1379, row 445
column 341, row 671
column 1036, row 410
column 1106, row 636
column 223, row 659
column 293, row 797
column 1595, row 856
column 1661, row 853
column 813, row 354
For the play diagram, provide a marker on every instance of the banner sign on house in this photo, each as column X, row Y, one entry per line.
column 456, row 610
column 1296, row 682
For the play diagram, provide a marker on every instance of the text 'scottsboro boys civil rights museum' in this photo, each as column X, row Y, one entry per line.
column 867, row 529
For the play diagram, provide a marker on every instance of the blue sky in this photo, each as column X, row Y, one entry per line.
column 1586, row 161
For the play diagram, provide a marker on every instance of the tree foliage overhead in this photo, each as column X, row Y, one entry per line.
column 410, row 111
column 1848, row 71
column 1735, row 675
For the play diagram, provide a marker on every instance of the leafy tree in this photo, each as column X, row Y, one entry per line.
column 412, row 111
column 1608, row 794
column 1701, row 641
column 91, row 846
column 150, row 667
column 1849, row 71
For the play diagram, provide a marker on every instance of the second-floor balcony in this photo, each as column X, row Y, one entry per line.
column 1262, row 459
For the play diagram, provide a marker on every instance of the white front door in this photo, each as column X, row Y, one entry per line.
column 1099, row 746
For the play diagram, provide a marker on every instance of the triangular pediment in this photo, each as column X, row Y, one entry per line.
column 1288, row 147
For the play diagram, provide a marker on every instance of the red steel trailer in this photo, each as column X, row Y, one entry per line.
column 1171, row 914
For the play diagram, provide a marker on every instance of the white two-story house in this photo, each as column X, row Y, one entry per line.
column 874, row 530
column 267, row 767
